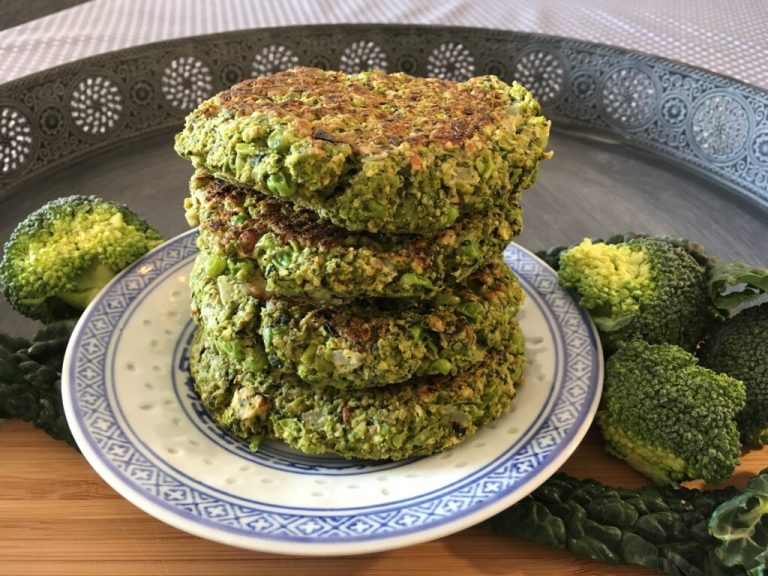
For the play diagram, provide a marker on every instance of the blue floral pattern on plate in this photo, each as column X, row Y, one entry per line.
column 129, row 403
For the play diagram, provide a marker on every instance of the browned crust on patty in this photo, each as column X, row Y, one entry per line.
column 275, row 215
column 401, row 108
column 280, row 217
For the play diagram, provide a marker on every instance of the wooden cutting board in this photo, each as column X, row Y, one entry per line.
column 59, row 518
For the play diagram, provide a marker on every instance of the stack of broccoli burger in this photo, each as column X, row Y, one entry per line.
column 349, row 291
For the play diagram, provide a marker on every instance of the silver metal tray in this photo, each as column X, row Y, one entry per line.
column 641, row 143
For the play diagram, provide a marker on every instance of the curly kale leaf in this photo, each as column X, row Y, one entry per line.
column 30, row 379
column 673, row 530
column 741, row 525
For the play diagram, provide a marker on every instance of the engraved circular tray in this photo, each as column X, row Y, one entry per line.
column 641, row 143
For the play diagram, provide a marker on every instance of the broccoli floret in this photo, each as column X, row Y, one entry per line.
column 30, row 378
column 645, row 288
column 670, row 529
column 659, row 289
column 64, row 253
column 739, row 348
column 668, row 417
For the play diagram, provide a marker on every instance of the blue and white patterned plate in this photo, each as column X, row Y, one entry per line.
column 135, row 416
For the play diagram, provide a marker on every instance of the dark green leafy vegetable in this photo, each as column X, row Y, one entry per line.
column 739, row 348
column 9, row 366
column 741, row 525
column 30, row 379
column 673, row 530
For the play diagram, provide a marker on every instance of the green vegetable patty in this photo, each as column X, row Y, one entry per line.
column 288, row 252
column 417, row 418
column 362, row 344
column 229, row 314
column 372, row 152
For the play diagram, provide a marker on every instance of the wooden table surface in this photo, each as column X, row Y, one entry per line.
column 59, row 518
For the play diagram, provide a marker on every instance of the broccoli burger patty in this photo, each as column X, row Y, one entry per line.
column 298, row 254
column 372, row 151
column 361, row 344
column 420, row 417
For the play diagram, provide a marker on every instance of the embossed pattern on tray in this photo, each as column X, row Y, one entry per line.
column 706, row 122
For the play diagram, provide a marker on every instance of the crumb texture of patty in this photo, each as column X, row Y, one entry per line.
column 349, row 292
column 421, row 417
column 364, row 343
column 295, row 254
column 373, row 151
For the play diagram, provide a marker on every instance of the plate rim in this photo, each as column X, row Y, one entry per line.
column 203, row 527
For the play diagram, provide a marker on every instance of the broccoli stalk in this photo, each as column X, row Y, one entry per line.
column 30, row 379
column 668, row 417
column 739, row 348
column 659, row 289
column 60, row 256
column 88, row 285
column 673, row 530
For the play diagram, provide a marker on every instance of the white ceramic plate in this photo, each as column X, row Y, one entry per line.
column 137, row 420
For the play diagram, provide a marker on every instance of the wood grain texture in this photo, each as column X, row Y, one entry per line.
column 58, row 518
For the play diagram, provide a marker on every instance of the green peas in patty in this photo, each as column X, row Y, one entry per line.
column 420, row 417
column 361, row 344
column 372, row 152
column 301, row 255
